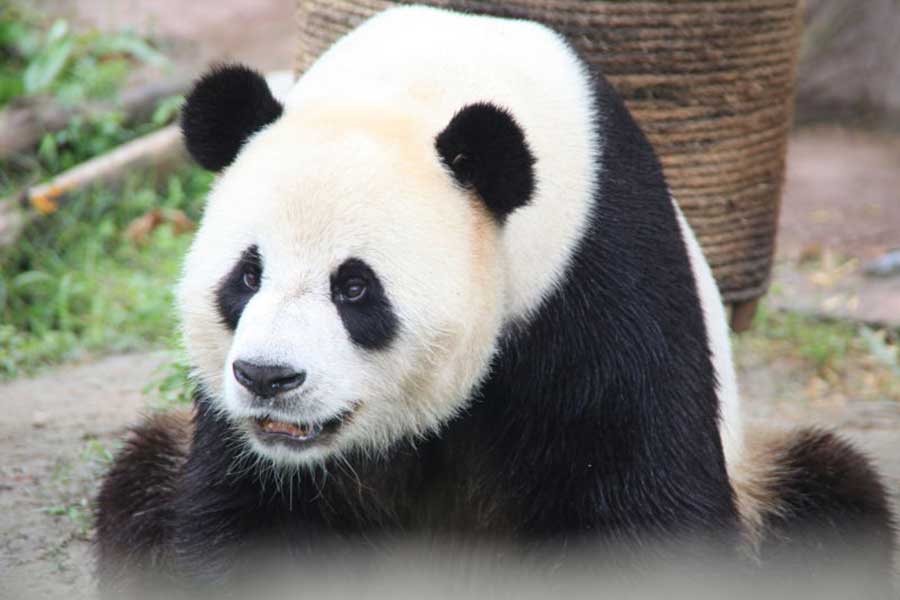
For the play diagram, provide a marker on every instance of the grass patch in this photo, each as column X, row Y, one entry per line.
column 82, row 139
column 172, row 385
column 825, row 359
column 75, row 284
column 823, row 344
column 38, row 57
column 68, row 495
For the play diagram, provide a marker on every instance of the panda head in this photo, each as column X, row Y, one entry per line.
column 345, row 288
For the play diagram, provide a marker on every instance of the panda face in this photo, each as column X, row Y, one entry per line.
column 343, row 291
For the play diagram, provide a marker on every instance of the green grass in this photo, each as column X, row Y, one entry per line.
column 172, row 385
column 75, row 284
column 822, row 343
column 836, row 359
column 67, row 493
column 38, row 57
column 82, row 139
column 43, row 58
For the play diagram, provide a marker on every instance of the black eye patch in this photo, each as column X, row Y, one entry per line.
column 364, row 308
column 238, row 287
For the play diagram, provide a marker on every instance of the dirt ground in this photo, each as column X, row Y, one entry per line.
column 841, row 209
column 55, row 431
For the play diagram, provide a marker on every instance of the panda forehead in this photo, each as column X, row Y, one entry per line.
column 363, row 182
column 334, row 161
column 349, row 136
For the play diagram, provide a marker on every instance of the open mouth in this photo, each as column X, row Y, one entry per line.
column 296, row 434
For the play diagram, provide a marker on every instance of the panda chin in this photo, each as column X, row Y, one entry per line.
column 296, row 435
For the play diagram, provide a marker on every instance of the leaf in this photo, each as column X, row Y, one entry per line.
column 47, row 66
column 166, row 110
column 28, row 278
column 133, row 46
column 10, row 86
column 58, row 31
column 55, row 511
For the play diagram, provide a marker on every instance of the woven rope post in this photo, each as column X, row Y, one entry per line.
column 711, row 83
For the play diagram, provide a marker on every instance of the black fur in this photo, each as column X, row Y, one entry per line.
column 370, row 322
column 227, row 106
column 631, row 434
column 596, row 427
column 135, row 504
column 232, row 294
column 486, row 150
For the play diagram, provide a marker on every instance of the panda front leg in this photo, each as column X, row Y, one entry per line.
column 134, row 514
column 237, row 514
column 213, row 514
column 232, row 510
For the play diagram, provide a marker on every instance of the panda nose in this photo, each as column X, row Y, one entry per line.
column 267, row 381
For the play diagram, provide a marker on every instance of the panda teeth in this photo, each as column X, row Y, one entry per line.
column 302, row 431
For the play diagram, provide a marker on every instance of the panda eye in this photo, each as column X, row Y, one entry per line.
column 354, row 289
column 250, row 279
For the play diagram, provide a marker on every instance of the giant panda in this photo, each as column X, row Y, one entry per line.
column 441, row 289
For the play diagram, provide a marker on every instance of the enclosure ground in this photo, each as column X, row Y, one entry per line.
column 55, row 435
column 841, row 209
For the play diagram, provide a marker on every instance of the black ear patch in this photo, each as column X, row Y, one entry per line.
column 486, row 150
column 227, row 105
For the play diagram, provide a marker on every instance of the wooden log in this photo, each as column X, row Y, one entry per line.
column 162, row 150
column 21, row 128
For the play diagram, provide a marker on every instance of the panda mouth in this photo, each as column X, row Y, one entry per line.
column 297, row 434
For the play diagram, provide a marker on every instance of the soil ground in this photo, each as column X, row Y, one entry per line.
column 55, row 432
column 841, row 209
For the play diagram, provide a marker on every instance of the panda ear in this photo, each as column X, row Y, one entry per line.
column 486, row 150
column 227, row 105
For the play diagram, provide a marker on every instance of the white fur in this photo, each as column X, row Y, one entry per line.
column 431, row 63
column 730, row 425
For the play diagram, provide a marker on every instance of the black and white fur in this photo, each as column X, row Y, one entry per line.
column 541, row 358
